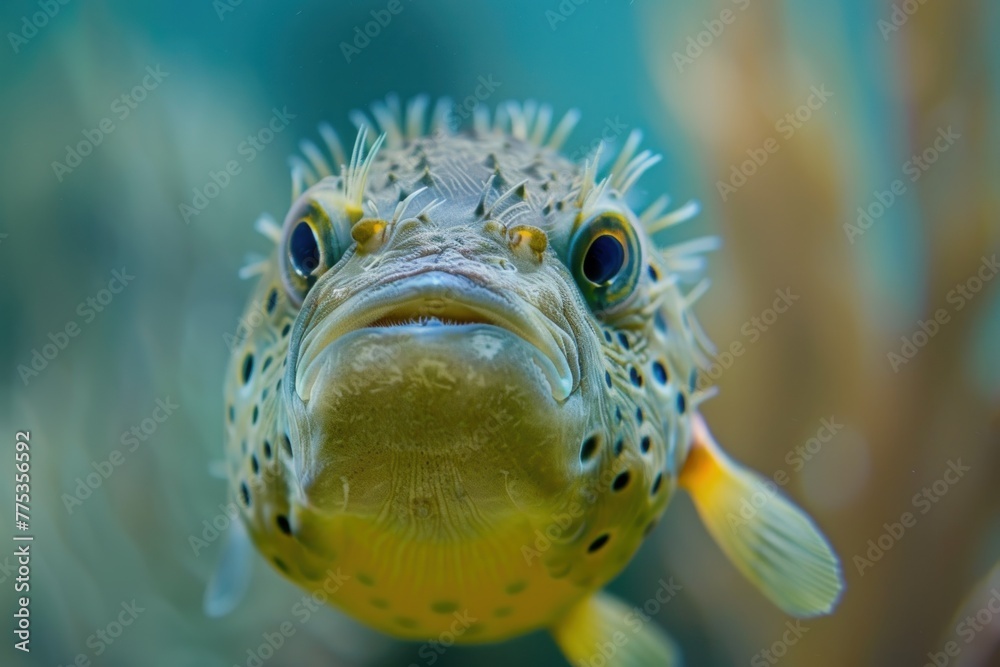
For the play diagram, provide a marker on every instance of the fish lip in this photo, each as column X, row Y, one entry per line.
column 440, row 289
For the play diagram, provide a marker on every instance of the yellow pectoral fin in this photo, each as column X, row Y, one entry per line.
column 602, row 630
column 770, row 540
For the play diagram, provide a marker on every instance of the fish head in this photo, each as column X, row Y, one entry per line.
column 458, row 350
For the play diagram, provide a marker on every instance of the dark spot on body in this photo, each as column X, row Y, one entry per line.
column 272, row 300
column 285, row 329
column 638, row 415
column 366, row 579
column 286, row 444
column 619, row 446
column 283, row 524
column 659, row 372
column 267, row 449
column 618, row 414
column 245, row 493
column 254, row 415
column 659, row 322
column 645, row 444
column 693, row 381
column 635, row 377
column 653, row 273
column 681, row 403
column 597, row 544
column 247, row 371
column 623, row 339
column 280, row 564
column 444, row 607
column 649, row 528
column 232, row 414
column 607, row 335
column 516, row 587
column 621, row 481
column 589, row 448
column 267, row 364
column 254, row 464
column 656, row 483
column 607, row 379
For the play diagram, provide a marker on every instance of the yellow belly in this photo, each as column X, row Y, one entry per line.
column 481, row 590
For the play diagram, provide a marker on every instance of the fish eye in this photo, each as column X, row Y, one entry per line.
column 309, row 246
column 605, row 259
column 303, row 249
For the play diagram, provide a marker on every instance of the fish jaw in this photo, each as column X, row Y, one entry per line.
column 433, row 399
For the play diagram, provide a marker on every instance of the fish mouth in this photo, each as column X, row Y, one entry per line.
column 440, row 303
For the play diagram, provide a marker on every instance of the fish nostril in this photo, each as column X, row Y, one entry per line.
column 368, row 232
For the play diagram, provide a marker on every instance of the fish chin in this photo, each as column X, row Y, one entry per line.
column 428, row 415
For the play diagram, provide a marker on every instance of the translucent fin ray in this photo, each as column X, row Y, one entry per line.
column 776, row 546
column 268, row 227
column 563, row 129
column 602, row 620
column 229, row 583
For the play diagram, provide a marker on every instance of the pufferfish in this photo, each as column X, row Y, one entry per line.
column 470, row 387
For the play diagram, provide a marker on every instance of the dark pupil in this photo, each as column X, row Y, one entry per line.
column 303, row 249
column 604, row 259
